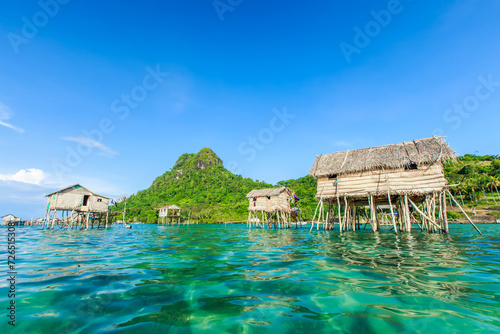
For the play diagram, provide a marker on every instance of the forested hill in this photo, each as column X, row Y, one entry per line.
column 200, row 184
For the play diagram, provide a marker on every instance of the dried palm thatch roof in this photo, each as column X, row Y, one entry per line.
column 422, row 151
column 268, row 192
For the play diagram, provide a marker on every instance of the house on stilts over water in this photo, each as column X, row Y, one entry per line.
column 169, row 214
column 406, row 179
column 270, row 207
column 10, row 219
column 76, row 206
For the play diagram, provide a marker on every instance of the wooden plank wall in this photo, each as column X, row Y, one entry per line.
column 277, row 203
column 426, row 179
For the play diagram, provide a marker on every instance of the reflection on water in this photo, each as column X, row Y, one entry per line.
column 216, row 279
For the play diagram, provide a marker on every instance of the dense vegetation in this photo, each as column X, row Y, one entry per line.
column 206, row 191
column 477, row 179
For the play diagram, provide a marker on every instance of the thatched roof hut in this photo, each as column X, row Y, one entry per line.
column 270, row 199
column 413, row 167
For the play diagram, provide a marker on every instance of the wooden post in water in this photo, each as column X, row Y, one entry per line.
column 314, row 217
column 470, row 221
column 408, row 220
column 373, row 218
column 430, row 220
column 354, row 214
column 392, row 211
column 338, row 209
column 445, row 214
column 345, row 221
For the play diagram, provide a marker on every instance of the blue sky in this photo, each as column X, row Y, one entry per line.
column 109, row 95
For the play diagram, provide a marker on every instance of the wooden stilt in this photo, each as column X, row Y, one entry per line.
column 344, row 221
column 445, row 214
column 434, row 207
column 326, row 224
column 332, row 215
column 317, row 206
column 354, row 217
column 373, row 214
column 390, row 203
column 407, row 215
column 53, row 219
column 314, row 217
column 320, row 215
column 470, row 221
column 423, row 214
column 340, row 215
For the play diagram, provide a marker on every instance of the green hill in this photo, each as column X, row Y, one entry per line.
column 199, row 184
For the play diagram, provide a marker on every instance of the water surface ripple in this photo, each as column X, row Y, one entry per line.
column 216, row 279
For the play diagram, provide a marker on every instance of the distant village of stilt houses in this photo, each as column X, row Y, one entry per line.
column 397, row 187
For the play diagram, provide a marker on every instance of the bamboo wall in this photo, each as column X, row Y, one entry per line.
column 72, row 199
column 426, row 179
column 275, row 203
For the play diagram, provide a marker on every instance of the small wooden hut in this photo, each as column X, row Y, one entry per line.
column 10, row 218
column 169, row 214
column 408, row 178
column 269, row 207
column 76, row 205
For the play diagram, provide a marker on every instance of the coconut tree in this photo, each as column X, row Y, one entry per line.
column 468, row 186
column 494, row 183
column 461, row 187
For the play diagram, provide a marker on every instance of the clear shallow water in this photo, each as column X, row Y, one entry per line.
column 214, row 279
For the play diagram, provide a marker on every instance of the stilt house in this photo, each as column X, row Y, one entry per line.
column 396, row 175
column 270, row 200
column 270, row 205
column 169, row 214
column 10, row 219
column 75, row 205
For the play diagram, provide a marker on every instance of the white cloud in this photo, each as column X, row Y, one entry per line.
column 342, row 143
column 30, row 176
column 5, row 115
column 92, row 143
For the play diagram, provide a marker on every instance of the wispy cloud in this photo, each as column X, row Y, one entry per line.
column 104, row 150
column 30, row 176
column 5, row 115
column 342, row 143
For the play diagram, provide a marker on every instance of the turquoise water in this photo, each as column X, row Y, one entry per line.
column 216, row 279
